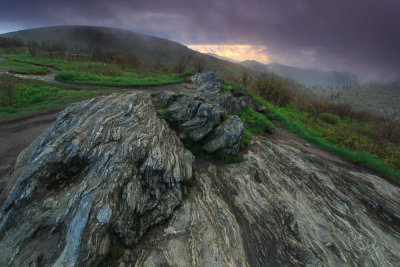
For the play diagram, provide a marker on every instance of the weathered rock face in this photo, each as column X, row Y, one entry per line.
column 280, row 207
column 226, row 137
column 106, row 171
column 202, row 115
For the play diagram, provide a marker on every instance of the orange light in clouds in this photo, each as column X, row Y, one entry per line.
column 236, row 52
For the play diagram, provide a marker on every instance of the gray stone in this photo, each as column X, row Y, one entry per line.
column 281, row 209
column 200, row 113
column 107, row 169
column 166, row 97
column 206, row 118
column 262, row 109
column 184, row 108
column 226, row 137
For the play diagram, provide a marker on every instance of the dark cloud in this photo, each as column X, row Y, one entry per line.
column 361, row 36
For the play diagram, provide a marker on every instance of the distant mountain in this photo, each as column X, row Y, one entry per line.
column 223, row 58
column 309, row 77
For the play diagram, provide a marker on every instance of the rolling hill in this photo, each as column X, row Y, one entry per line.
column 149, row 49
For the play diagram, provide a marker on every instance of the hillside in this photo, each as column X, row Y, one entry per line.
column 308, row 77
column 149, row 49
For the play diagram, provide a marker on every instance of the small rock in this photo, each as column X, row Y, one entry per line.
column 307, row 144
column 172, row 231
column 262, row 109
column 329, row 245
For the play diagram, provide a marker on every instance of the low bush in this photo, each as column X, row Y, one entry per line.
column 273, row 90
column 7, row 89
column 329, row 118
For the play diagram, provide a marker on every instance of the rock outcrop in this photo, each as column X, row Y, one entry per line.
column 279, row 207
column 106, row 171
column 203, row 115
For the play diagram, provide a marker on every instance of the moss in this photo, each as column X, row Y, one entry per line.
column 229, row 158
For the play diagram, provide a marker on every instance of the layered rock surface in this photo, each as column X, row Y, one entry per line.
column 106, row 171
column 280, row 207
column 204, row 115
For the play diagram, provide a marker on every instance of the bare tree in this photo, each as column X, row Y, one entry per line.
column 199, row 63
column 245, row 78
column 33, row 48
column 183, row 62
column 392, row 117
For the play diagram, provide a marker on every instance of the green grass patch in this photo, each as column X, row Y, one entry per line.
column 255, row 122
column 229, row 158
column 32, row 95
column 126, row 79
column 186, row 73
column 23, row 68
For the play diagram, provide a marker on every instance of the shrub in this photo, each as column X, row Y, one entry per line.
column 362, row 115
column 329, row 118
column 7, row 89
column 199, row 63
column 272, row 89
column 340, row 109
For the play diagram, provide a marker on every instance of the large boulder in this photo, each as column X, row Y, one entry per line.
column 279, row 207
column 208, row 81
column 226, row 137
column 202, row 112
column 106, row 171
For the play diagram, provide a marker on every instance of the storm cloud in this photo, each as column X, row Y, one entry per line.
column 361, row 36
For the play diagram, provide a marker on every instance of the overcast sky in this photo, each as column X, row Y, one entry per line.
column 361, row 36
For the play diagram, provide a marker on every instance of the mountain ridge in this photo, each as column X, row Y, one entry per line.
column 306, row 76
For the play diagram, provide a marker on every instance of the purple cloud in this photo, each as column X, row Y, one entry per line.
column 361, row 36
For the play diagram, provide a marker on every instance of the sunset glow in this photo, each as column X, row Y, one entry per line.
column 235, row 52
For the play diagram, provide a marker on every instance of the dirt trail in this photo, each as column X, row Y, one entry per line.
column 285, row 137
column 15, row 136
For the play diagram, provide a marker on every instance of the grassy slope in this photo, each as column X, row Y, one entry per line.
column 296, row 122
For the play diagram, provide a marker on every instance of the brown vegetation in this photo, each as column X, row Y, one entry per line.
column 199, row 63
column 183, row 62
column 7, row 88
